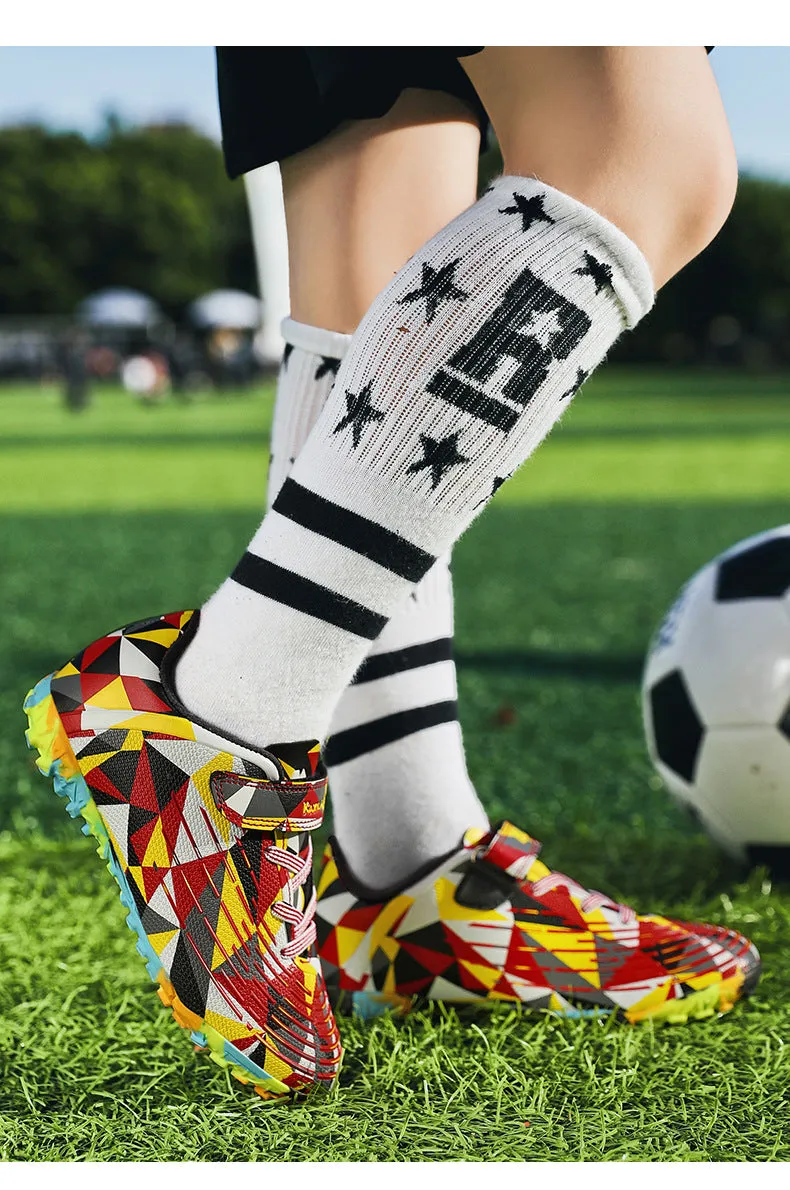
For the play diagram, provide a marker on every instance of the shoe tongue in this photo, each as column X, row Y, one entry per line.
column 511, row 850
column 299, row 760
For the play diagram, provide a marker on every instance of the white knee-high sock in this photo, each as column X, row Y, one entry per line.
column 309, row 365
column 395, row 753
column 455, row 375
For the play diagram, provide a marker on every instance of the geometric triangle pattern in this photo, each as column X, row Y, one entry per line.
column 493, row 924
column 204, row 883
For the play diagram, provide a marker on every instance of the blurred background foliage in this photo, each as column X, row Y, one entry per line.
column 151, row 208
column 732, row 304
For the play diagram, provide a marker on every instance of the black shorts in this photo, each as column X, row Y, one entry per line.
column 275, row 101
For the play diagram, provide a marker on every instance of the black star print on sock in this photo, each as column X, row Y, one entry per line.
column 581, row 376
column 601, row 273
column 439, row 454
column 530, row 209
column 326, row 366
column 437, row 286
column 359, row 411
column 287, row 354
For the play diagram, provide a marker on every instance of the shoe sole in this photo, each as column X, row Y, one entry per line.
column 46, row 736
column 716, row 999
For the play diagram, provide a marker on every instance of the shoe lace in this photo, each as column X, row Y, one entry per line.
column 590, row 898
column 304, row 931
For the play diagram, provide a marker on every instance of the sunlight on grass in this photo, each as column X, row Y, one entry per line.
column 642, row 443
column 116, row 478
column 749, row 467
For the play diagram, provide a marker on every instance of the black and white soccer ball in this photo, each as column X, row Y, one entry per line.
column 716, row 699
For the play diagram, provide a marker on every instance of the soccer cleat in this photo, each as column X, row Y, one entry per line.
column 209, row 842
column 491, row 924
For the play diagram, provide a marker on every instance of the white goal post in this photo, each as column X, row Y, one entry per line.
column 267, row 218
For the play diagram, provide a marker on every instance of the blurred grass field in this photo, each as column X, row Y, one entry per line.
column 121, row 512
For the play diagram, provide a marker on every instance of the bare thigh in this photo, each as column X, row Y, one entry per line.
column 636, row 132
column 361, row 202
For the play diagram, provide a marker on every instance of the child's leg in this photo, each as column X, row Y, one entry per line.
column 460, row 368
column 396, row 758
column 365, row 199
column 638, row 133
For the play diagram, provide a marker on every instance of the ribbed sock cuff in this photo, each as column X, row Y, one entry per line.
column 636, row 290
column 316, row 340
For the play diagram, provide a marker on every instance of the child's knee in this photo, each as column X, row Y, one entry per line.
column 701, row 194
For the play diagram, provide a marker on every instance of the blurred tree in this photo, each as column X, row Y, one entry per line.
column 150, row 208
column 731, row 304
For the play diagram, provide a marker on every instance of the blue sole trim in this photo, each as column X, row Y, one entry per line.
column 368, row 1006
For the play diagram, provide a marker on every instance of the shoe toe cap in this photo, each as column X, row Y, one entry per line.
column 743, row 953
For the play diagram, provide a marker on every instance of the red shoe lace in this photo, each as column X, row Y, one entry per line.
column 304, row 931
column 590, row 898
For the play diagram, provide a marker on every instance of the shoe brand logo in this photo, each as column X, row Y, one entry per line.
column 312, row 807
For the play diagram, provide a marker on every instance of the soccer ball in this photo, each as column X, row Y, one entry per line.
column 716, row 699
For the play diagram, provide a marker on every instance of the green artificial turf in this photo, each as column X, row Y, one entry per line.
column 121, row 512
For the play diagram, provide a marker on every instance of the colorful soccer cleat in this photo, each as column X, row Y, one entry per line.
column 492, row 924
column 209, row 843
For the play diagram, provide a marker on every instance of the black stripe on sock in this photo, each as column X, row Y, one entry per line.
column 399, row 660
column 304, row 595
column 355, row 532
column 356, row 741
